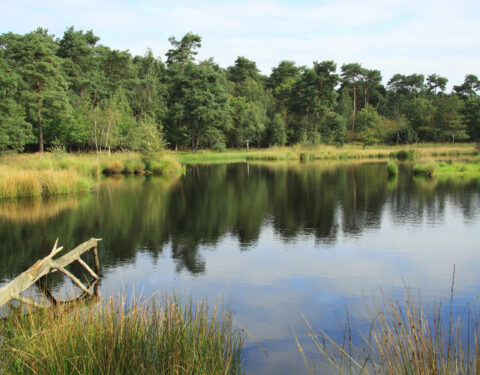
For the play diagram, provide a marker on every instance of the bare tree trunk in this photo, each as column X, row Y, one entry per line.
column 95, row 134
column 107, row 139
column 40, row 130
column 354, row 106
column 198, row 139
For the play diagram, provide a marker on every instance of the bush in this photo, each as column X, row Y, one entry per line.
column 219, row 147
column 406, row 154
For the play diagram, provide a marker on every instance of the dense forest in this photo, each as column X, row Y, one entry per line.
column 73, row 93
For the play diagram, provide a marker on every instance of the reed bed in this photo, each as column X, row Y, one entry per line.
column 169, row 336
column 404, row 337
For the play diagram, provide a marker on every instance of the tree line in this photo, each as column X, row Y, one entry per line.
column 76, row 94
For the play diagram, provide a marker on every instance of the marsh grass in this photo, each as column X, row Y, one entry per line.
column 324, row 152
column 170, row 336
column 48, row 174
column 443, row 169
column 404, row 337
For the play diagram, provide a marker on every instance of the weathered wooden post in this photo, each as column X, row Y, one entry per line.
column 47, row 265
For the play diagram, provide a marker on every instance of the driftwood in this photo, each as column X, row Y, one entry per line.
column 47, row 265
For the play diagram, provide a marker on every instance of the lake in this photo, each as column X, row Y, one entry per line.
column 270, row 240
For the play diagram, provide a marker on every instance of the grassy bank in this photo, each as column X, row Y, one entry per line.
column 346, row 152
column 463, row 169
column 48, row 174
column 166, row 337
column 404, row 337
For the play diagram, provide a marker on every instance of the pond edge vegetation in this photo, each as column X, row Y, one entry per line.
column 168, row 336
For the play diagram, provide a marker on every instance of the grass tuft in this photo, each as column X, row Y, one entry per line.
column 392, row 168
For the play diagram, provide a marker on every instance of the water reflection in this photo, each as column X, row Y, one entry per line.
column 319, row 199
column 275, row 239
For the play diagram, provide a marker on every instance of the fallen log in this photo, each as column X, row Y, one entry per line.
column 47, row 265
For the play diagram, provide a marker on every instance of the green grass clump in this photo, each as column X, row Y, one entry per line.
column 392, row 168
column 166, row 337
column 426, row 170
column 404, row 338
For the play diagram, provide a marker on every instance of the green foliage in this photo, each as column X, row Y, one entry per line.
column 368, row 126
column 15, row 132
column 44, row 87
column 88, row 96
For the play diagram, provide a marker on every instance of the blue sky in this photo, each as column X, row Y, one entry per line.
column 394, row 36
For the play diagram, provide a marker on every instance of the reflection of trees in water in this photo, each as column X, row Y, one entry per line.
column 210, row 201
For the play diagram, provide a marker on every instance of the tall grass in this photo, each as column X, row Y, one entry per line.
column 167, row 337
column 34, row 183
column 404, row 337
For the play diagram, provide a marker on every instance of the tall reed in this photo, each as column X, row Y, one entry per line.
column 404, row 337
column 115, row 337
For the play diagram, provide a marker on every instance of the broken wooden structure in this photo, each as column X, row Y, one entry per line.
column 50, row 264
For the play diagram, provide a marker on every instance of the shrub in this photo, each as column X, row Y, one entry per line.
column 219, row 147
column 114, row 167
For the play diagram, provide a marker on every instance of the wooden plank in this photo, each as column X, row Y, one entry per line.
column 87, row 267
column 72, row 277
column 97, row 261
column 46, row 292
column 28, row 301
column 42, row 268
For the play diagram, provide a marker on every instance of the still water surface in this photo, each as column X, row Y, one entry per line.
column 272, row 240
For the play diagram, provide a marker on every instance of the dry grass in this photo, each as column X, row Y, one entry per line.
column 16, row 183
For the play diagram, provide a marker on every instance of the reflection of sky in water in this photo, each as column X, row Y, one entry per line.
column 271, row 283
column 314, row 254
